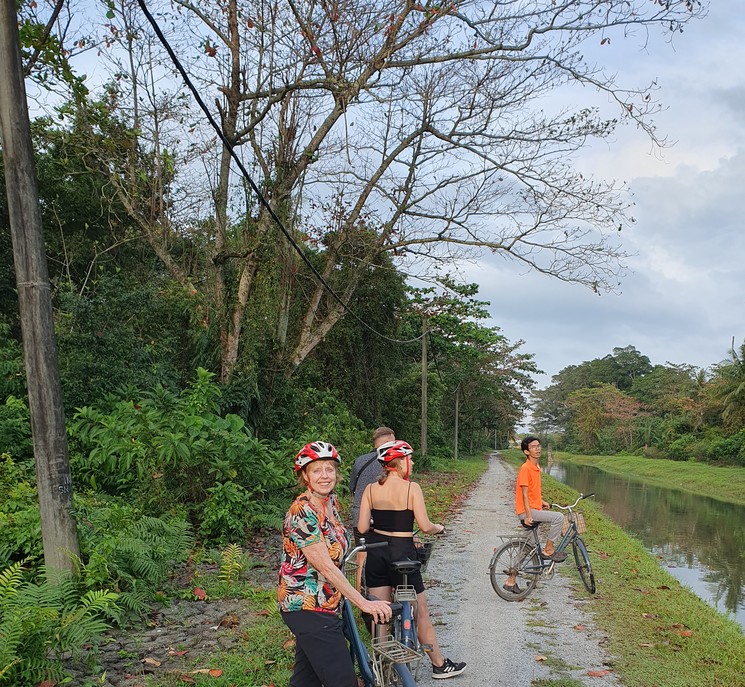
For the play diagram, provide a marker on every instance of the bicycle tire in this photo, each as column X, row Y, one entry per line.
column 516, row 557
column 582, row 559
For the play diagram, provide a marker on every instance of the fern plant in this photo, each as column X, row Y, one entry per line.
column 232, row 563
column 39, row 623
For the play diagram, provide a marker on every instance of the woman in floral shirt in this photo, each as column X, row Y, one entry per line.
column 311, row 584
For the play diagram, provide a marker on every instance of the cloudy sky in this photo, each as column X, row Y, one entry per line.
column 684, row 297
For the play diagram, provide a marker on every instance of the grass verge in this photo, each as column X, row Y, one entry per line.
column 660, row 633
column 723, row 483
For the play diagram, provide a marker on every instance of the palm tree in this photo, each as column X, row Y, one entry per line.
column 729, row 380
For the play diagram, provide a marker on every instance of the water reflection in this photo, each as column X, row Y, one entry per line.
column 700, row 540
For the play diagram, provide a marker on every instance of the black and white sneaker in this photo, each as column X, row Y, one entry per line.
column 447, row 669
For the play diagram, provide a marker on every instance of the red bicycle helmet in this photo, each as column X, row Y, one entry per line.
column 392, row 450
column 316, row 450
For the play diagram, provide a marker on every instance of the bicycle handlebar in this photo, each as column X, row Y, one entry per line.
column 364, row 547
column 579, row 498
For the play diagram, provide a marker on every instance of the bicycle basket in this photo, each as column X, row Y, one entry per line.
column 350, row 572
column 423, row 552
column 579, row 521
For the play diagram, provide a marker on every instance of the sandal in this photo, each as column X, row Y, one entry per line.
column 512, row 588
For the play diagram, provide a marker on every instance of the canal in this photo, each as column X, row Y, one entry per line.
column 699, row 540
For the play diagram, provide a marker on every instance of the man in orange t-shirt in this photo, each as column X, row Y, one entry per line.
column 530, row 506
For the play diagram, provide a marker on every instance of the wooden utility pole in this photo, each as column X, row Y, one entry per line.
column 424, row 386
column 53, row 481
column 457, row 412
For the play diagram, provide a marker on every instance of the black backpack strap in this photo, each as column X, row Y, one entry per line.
column 353, row 487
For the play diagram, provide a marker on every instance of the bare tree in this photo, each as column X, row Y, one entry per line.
column 428, row 131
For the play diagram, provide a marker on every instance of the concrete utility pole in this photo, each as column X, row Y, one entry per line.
column 53, row 481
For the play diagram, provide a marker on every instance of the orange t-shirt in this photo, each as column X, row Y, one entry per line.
column 529, row 476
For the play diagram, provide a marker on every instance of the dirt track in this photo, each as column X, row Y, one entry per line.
column 500, row 640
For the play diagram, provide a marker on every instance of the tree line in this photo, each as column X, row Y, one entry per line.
column 623, row 403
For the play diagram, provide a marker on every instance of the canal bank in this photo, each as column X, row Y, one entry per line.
column 662, row 634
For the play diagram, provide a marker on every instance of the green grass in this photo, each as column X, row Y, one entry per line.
column 660, row 633
column 723, row 483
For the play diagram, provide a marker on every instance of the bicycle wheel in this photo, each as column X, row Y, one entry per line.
column 518, row 558
column 582, row 558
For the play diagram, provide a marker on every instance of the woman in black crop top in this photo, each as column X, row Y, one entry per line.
column 393, row 503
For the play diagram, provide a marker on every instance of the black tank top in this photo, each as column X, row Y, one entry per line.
column 393, row 520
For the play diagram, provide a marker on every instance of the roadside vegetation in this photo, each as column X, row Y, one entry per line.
column 621, row 403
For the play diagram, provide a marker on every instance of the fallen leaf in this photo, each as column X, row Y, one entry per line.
column 269, row 663
column 264, row 613
column 230, row 620
column 677, row 626
column 540, row 658
column 200, row 593
column 663, row 586
column 686, row 633
column 647, row 645
column 598, row 673
column 579, row 628
column 215, row 672
column 650, row 615
column 183, row 652
column 47, row 683
column 190, row 680
column 151, row 661
column 289, row 643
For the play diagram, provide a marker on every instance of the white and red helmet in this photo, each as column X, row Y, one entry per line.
column 392, row 450
column 316, row 450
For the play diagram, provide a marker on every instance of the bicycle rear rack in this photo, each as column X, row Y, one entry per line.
column 405, row 592
column 394, row 651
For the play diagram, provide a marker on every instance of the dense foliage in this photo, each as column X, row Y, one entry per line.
column 622, row 402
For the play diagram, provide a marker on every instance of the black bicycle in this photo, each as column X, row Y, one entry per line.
column 521, row 558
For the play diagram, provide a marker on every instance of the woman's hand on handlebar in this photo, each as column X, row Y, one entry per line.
column 379, row 610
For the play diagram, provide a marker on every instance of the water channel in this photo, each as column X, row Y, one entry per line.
column 699, row 540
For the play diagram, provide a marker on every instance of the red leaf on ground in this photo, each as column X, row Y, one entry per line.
column 598, row 673
column 579, row 627
column 200, row 593
column 47, row 683
column 186, row 678
column 183, row 652
column 264, row 613
column 686, row 633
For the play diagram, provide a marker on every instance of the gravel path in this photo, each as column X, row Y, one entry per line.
column 501, row 640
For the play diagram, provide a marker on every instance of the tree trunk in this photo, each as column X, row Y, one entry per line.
column 53, row 480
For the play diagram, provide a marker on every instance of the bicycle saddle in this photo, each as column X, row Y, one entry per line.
column 529, row 527
column 406, row 566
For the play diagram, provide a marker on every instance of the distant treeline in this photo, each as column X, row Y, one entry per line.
column 623, row 403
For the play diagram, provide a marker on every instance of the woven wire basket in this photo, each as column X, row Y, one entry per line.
column 578, row 519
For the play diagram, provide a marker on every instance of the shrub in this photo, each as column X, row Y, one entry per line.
column 39, row 623
column 126, row 551
column 20, row 525
column 169, row 451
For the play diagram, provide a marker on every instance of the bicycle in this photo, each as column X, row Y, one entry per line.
column 393, row 654
column 522, row 556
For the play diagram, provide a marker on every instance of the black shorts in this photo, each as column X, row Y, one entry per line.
column 378, row 570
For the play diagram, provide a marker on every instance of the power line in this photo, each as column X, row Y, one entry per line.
column 255, row 188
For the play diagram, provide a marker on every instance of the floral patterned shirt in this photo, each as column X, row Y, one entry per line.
column 301, row 587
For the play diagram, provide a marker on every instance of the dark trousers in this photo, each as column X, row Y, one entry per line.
column 321, row 651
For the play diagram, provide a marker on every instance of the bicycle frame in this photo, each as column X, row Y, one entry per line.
column 523, row 557
column 387, row 655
